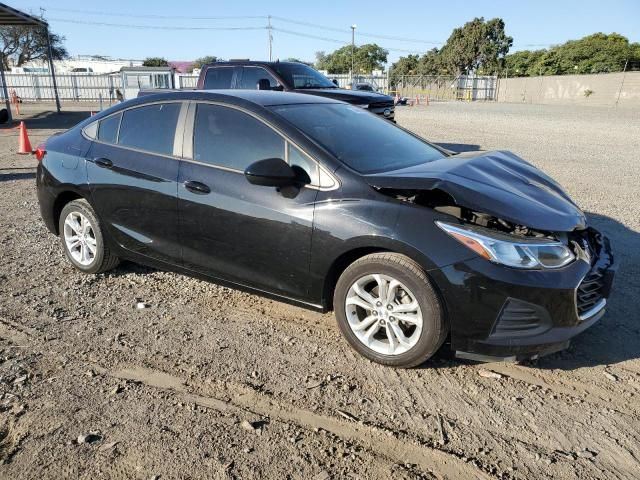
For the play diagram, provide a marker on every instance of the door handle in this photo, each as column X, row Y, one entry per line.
column 197, row 187
column 103, row 162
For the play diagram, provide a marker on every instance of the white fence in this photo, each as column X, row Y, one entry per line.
column 98, row 87
column 37, row 87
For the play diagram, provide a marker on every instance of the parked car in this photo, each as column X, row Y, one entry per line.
column 288, row 77
column 364, row 87
column 321, row 204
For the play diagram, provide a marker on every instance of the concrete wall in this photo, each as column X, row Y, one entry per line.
column 608, row 89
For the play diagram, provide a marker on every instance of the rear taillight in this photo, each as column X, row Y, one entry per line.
column 40, row 152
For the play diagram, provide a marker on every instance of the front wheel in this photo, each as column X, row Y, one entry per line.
column 388, row 311
column 82, row 239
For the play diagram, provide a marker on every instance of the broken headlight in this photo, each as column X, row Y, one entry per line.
column 507, row 250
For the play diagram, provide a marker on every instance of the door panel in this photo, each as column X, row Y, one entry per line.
column 137, row 199
column 246, row 233
column 134, row 190
column 229, row 228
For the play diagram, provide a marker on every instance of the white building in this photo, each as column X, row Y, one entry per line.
column 79, row 64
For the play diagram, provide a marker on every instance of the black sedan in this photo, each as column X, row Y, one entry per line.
column 322, row 204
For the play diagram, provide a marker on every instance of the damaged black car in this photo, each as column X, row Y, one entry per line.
column 322, row 204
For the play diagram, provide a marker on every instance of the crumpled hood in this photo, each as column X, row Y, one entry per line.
column 356, row 97
column 497, row 183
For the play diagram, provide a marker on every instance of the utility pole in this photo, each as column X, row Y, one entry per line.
column 353, row 49
column 270, row 38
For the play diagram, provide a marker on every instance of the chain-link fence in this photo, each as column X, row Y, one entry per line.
column 446, row 87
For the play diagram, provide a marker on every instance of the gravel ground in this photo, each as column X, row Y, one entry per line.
column 208, row 382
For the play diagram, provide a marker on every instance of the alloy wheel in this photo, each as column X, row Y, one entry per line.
column 383, row 314
column 80, row 238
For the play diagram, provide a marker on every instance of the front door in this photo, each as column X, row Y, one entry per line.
column 133, row 172
column 229, row 228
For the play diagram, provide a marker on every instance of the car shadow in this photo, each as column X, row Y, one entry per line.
column 613, row 339
column 459, row 147
column 49, row 120
column 7, row 177
column 616, row 337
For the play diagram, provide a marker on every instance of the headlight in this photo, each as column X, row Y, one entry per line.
column 506, row 250
column 363, row 105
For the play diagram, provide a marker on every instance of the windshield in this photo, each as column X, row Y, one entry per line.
column 358, row 138
column 298, row 75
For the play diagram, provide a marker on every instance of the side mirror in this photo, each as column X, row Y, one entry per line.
column 335, row 82
column 272, row 172
column 263, row 84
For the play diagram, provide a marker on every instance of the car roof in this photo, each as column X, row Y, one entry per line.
column 264, row 98
column 248, row 62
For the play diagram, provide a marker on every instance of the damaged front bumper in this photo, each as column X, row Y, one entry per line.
column 498, row 312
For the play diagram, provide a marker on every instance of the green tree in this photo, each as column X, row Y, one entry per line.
column 155, row 62
column 431, row 63
column 366, row 58
column 200, row 62
column 478, row 46
column 597, row 53
column 24, row 44
column 521, row 64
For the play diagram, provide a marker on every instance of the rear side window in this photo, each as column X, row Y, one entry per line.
column 218, row 78
column 151, row 128
column 230, row 138
column 252, row 75
column 108, row 129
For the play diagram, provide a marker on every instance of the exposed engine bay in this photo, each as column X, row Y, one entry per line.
column 441, row 201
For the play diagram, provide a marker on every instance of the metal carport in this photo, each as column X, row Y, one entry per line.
column 10, row 16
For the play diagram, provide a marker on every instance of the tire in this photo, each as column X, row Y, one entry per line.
column 97, row 257
column 423, row 330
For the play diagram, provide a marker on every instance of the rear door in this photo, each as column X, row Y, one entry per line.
column 221, row 78
column 229, row 228
column 133, row 171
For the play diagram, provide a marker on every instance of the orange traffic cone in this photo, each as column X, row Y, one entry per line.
column 25, row 144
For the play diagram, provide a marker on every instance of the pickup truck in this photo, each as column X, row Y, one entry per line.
column 288, row 77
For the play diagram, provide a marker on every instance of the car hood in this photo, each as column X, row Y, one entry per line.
column 497, row 183
column 357, row 97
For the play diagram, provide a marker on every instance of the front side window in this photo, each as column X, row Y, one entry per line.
column 298, row 75
column 230, row 138
column 252, row 75
column 108, row 128
column 358, row 138
column 218, row 78
column 151, row 128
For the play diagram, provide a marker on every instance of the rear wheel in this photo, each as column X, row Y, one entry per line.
column 82, row 239
column 388, row 311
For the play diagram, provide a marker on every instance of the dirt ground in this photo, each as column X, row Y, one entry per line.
column 208, row 382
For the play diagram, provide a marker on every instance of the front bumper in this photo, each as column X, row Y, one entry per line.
column 501, row 312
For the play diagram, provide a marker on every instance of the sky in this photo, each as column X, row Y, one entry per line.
column 317, row 25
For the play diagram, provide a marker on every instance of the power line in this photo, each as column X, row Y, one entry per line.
column 151, row 15
column 335, row 40
column 251, row 17
column 150, row 27
column 363, row 34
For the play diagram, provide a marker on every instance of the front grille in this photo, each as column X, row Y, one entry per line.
column 590, row 292
column 385, row 104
